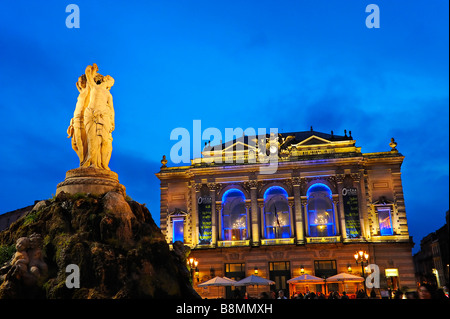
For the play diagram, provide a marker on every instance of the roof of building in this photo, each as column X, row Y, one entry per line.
column 6, row 219
column 292, row 147
column 292, row 137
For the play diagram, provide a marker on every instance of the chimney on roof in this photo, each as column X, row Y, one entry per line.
column 311, row 129
column 345, row 132
column 350, row 133
column 332, row 134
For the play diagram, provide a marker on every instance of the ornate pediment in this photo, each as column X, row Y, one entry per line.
column 383, row 201
column 314, row 140
column 178, row 212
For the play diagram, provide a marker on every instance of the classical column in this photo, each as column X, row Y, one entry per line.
column 363, row 216
column 340, row 184
column 300, row 237
column 212, row 193
column 336, row 216
column 164, row 208
column 219, row 219
column 291, row 219
column 304, row 205
column 249, row 217
column 260, row 213
column 195, row 192
column 255, row 220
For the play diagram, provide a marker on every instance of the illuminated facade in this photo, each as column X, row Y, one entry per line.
column 325, row 201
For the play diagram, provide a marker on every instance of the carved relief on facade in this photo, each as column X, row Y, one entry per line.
column 278, row 255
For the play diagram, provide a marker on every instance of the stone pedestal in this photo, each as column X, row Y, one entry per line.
column 90, row 180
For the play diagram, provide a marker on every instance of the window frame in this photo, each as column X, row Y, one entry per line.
column 266, row 213
column 331, row 228
column 228, row 231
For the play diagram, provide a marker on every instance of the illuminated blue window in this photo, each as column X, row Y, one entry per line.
column 234, row 215
column 385, row 221
column 320, row 211
column 178, row 229
column 276, row 213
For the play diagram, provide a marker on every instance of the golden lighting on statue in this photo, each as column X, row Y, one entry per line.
column 91, row 131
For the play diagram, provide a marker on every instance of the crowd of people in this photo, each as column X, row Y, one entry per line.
column 424, row 291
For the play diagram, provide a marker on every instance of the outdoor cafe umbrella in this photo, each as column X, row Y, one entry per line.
column 218, row 282
column 344, row 277
column 253, row 280
column 306, row 279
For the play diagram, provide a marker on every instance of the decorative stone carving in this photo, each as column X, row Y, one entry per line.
column 197, row 186
column 27, row 264
column 233, row 256
column 164, row 161
column 296, row 181
column 93, row 120
column 90, row 180
column 356, row 176
column 251, row 184
column 393, row 145
column 340, row 178
column 91, row 131
column 278, row 255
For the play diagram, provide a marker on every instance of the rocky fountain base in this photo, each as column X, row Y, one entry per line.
column 119, row 250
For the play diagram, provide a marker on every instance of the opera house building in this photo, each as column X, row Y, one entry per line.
column 325, row 202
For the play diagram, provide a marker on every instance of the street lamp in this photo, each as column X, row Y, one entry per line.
column 193, row 263
column 363, row 258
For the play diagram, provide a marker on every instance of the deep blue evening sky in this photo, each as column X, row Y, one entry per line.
column 261, row 64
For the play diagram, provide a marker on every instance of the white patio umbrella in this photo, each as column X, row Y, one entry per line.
column 253, row 280
column 218, row 282
column 344, row 277
column 305, row 279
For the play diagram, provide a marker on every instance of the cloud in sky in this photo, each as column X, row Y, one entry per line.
column 260, row 64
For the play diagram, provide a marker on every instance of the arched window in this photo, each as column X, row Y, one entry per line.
column 234, row 215
column 320, row 211
column 276, row 213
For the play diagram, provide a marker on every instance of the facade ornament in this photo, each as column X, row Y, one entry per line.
column 164, row 161
column 197, row 186
column 393, row 145
column 356, row 176
column 251, row 184
column 296, row 181
column 340, row 178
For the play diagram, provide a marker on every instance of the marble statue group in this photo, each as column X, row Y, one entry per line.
column 93, row 120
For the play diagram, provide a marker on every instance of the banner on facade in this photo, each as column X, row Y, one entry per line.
column 351, row 212
column 204, row 220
